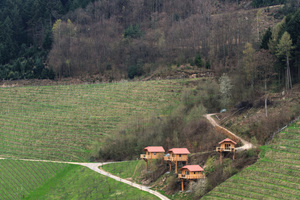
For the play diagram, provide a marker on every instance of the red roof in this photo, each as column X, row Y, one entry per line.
column 179, row 151
column 193, row 168
column 227, row 140
column 155, row 149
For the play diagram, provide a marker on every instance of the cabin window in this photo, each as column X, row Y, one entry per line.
column 148, row 153
column 227, row 146
column 173, row 155
column 187, row 172
column 155, row 154
column 194, row 172
column 179, row 155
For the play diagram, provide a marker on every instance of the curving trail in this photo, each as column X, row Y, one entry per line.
column 246, row 145
column 95, row 167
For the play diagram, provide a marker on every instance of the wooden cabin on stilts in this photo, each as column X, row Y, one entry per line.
column 176, row 155
column 152, row 152
column 190, row 173
column 226, row 146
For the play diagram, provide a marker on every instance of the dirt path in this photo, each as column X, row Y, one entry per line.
column 95, row 167
column 246, row 145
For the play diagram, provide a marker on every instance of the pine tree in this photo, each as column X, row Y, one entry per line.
column 265, row 40
column 198, row 60
column 8, row 40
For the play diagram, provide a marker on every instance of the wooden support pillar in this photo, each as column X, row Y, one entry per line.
column 182, row 185
column 221, row 157
column 150, row 164
column 175, row 167
column 170, row 164
column 233, row 155
column 147, row 164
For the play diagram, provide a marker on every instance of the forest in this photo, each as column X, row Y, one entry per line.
column 26, row 35
column 123, row 39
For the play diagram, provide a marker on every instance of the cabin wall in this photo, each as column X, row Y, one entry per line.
column 190, row 173
column 157, row 156
column 183, row 171
column 176, row 156
column 223, row 145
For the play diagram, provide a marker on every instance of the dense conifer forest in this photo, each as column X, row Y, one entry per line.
column 26, row 35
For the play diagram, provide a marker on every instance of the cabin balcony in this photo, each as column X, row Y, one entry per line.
column 220, row 149
column 168, row 158
column 191, row 176
column 144, row 156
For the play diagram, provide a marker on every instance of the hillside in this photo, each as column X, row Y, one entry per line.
column 46, row 180
column 19, row 178
column 65, row 122
column 79, row 182
column 243, row 121
column 248, row 118
column 99, row 80
column 126, row 39
column 274, row 176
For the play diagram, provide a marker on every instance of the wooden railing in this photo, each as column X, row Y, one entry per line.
column 224, row 149
column 169, row 158
column 191, row 176
column 144, row 156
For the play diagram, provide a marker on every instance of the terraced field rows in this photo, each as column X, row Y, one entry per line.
column 63, row 122
column 19, row 178
column 275, row 176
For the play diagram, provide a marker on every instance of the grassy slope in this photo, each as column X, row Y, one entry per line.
column 63, row 122
column 275, row 176
column 44, row 180
column 128, row 169
column 82, row 183
column 19, row 178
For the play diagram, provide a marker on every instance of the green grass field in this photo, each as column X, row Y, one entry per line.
column 45, row 180
column 275, row 176
column 65, row 122
column 127, row 169
column 80, row 182
column 19, row 178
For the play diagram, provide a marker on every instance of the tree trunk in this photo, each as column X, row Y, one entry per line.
column 298, row 71
column 266, row 99
column 288, row 74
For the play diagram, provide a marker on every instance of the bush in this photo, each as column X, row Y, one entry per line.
column 199, row 188
column 135, row 70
